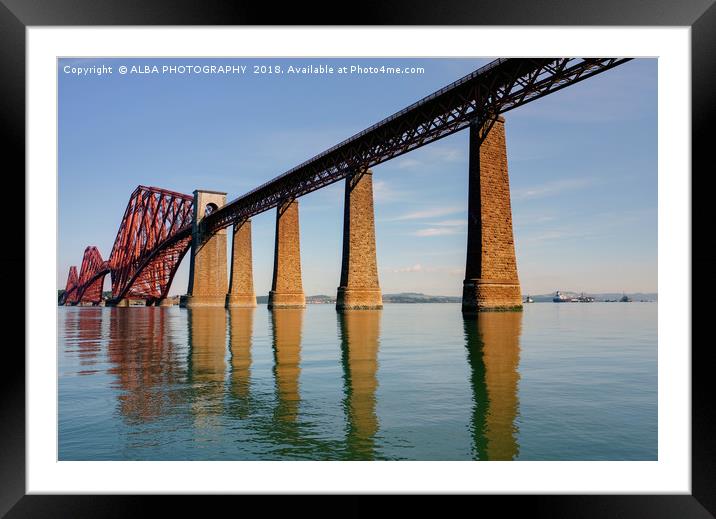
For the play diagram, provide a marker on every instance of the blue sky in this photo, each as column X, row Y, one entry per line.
column 582, row 165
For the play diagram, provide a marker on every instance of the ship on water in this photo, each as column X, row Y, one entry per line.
column 560, row 298
column 585, row 299
column 625, row 299
column 529, row 299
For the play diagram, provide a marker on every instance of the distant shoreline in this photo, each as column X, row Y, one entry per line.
column 416, row 297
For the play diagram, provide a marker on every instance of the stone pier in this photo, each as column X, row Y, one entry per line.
column 287, row 288
column 208, row 279
column 359, row 288
column 491, row 281
column 241, row 285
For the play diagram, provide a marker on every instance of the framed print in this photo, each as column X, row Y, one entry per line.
column 216, row 327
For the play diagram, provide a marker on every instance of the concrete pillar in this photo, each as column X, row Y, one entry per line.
column 359, row 287
column 208, row 279
column 491, row 281
column 287, row 288
column 241, row 285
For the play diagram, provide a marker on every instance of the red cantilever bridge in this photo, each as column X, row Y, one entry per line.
column 160, row 226
column 153, row 237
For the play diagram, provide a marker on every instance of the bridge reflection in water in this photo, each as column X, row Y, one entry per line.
column 83, row 331
column 286, row 324
column 145, row 361
column 360, row 332
column 241, row 329
column 207, row 364
column 213, row 383
column 493, row 352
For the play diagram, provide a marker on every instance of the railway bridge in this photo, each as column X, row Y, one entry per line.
column 159, row 226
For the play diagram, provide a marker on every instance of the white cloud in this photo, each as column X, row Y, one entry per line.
column 412, row 268
column 552, row 188
column 382, row 192
column 557, row 234
column 525, row 220
column 447, row 154
column 431, row 156
column 430, row 213
column 453, row 271
column 437, row 231
column 451, row 223
column 407, row 163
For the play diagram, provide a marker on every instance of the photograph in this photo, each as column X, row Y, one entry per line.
column 357, row 258
column 446, row 253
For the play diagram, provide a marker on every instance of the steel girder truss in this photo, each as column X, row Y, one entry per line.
column 68, row 296
column 154, row 275
column 155, row 219
column 87, row 288
column 92, row 274
column 153, row 237
column 496, row 88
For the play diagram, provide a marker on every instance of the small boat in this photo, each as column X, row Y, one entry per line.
column 560, row 298
column 529, row 300
column 625, row 299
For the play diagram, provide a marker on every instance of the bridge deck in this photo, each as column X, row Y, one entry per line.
column 496, row 88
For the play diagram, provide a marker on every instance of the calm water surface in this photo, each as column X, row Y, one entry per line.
column 556, row 382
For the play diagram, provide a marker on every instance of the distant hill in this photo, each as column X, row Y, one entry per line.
column 317, row 299
column 416, row 297
column 606, row 296
column 403, row 297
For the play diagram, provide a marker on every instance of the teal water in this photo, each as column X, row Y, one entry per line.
column 411, row 382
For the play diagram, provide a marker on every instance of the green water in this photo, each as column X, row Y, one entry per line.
column 413, row 381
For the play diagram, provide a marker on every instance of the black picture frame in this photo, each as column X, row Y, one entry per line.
column 16, row 15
